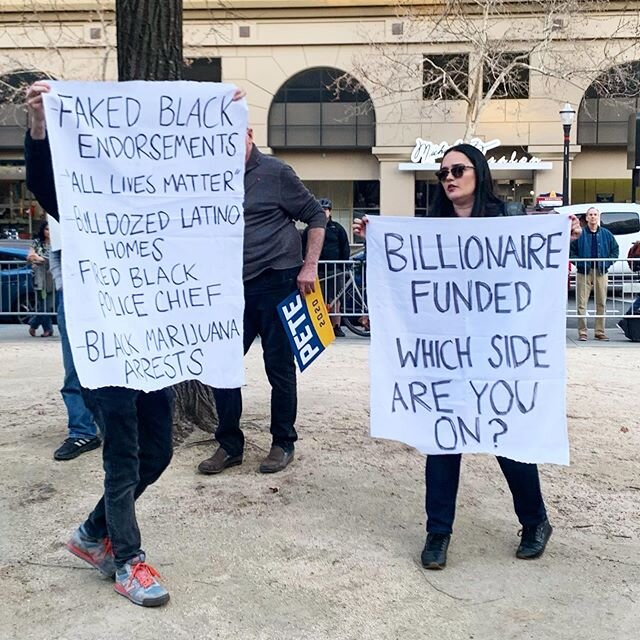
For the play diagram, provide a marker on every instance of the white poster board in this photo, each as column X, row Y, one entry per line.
column 150, row 186
column 468, row 334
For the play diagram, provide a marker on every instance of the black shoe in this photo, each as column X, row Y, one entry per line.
column 534, row 540
column 218, row 462
column 277, row 460
column 434, row 554
column 72, row 447
column 338, row 332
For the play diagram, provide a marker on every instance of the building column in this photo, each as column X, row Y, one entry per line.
column 397, row 188
column 551, row 179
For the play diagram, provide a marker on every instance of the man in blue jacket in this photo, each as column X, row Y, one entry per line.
column 593, row 244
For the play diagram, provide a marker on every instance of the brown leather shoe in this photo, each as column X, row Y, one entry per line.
column 218, row 462
column 601, row 336
column 276, row 461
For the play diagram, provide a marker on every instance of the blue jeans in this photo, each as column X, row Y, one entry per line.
column 43, row 303
column 137, row 448
column 81, row 423
column 261, row 297
column 443, row 474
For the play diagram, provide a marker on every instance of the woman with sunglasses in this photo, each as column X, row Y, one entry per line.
column 465, row 190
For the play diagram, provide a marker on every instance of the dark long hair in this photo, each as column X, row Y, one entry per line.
column 40, row 235
column 485, row 202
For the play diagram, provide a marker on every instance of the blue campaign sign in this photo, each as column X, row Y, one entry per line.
column 307, row 325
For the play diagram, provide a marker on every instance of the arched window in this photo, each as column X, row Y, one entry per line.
column 307, row 112
column 607, row 104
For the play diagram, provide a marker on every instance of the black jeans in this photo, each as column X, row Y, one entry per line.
column 442, row 477
column 137, row 448
column 261, row 297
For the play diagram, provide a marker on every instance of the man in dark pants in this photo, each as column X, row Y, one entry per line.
column 273, row 268
column 136, row 430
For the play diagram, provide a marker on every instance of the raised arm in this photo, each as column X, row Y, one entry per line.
column 37, row 152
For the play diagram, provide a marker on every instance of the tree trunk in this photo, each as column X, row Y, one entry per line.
column 149, row 36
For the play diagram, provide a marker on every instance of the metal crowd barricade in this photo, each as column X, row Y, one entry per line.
column 608, row 295
column 344, row 289
column 18, row 298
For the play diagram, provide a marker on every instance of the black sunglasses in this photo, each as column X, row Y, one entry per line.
column 456, row 171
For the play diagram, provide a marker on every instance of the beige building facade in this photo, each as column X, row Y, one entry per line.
column 367, row 148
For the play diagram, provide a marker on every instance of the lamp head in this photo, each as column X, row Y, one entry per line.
column 567, row 114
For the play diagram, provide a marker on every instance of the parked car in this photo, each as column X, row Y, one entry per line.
column 16, row 281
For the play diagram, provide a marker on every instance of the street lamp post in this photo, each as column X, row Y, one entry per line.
column 567, row 114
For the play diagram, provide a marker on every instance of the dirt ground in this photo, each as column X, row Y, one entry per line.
column 328, row 549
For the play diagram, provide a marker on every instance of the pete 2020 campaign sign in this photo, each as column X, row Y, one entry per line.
column 307, row 325
column 150, row 185
column 468, row 341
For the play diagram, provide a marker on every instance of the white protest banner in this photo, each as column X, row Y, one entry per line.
column 468, row 341
column 150, row 186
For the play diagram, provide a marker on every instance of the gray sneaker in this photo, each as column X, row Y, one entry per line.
column 98, row 553
column 136, row 580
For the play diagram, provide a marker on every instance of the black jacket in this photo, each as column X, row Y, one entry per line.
column 336, row 242
column 39, row 167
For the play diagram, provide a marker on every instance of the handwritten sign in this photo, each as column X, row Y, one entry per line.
column 468, row 349
column 150, row 185
column 306, row 322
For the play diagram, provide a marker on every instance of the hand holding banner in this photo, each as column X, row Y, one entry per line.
column 307, row 325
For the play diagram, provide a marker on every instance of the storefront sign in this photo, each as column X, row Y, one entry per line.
column 426, row 155
column 426, row 152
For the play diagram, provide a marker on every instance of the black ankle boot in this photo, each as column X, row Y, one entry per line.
column 534, row 540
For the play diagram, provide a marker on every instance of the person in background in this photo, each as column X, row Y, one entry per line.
column 335, row 248
column 38, row 257
column 594, row 243
column 82, row 434
column 465, row 190
column 273, row 268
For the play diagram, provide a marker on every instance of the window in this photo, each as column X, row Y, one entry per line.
column 203, row 69
column 603, row 115
column 620, row 223
column 445, row 76
column 515, row 84
column 308, row 111
column 366, row 198
column 424, row 194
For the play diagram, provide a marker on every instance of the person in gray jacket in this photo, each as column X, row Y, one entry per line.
column 273, row 268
